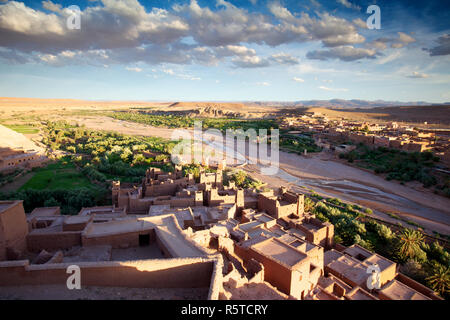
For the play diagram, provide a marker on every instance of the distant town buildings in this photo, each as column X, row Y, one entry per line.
column 390, row 135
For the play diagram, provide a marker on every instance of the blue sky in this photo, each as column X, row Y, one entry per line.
column 225, row 50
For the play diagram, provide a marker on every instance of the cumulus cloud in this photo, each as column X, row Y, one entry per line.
column 250, row 62
column 360, row 23
column 55, row 7
column 403, row 40
column 377, row 44
column 348, row 4
column 296, row 79
column 343, row 53
column 403, row 37
column 129, row 33
column 443, row 47
column 283, row 58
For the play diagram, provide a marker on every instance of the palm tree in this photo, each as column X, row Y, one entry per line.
column 410, row 242
column 440, row 280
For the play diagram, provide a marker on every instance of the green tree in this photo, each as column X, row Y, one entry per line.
column 239, row 178
column 409, row 243
column 51, row 202
column 440, row 280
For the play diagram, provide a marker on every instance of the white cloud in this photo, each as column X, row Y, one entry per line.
column 391, row 57
column 403, row 37
column 128, row 33
column 348, row 4
column 333, row 89
column 360, row 23
column 49, row 5
column 168, row 71
column 283, row 58
column 134, row 69
column 418, row 75
column 296, row 79
column 250, row 62
column 343, row 53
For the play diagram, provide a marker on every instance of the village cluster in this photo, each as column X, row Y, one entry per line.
column 171, row 231
column 391, row 135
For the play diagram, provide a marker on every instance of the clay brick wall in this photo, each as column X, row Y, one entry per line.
column 176, row 202
column 140, row 205
column 130, row 239
column 13, row 228
column 215, row 199
column 267, row 204
column 381, row 141
column 55, row 241
column 276, row 274
column 153, row 274
column 2, row 244
column 361, row 138
column 417, row 286
column 387, row 274
column 161, row 190
column 395, row 144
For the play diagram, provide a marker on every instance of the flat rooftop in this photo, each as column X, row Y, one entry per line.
column 396, row 290
column 359, row 294
column 7, row 204
column 117, row 227
column 45, row 212
column 279, row 251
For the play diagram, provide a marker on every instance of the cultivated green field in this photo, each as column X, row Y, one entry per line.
column 61, row 175
column 24, row 129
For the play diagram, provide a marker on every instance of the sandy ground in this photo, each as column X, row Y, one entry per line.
column 324, row 175
column 60, row 292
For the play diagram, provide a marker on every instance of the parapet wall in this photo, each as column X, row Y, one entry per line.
column 53, row 241
column 417, row 286
column 128, row 239
column 169, row 273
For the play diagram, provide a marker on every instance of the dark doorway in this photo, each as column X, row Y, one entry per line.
column 144, row 240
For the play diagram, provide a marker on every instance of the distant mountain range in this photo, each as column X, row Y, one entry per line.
column 344, row 104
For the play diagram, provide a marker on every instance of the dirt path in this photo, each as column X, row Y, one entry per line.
column 17, row 183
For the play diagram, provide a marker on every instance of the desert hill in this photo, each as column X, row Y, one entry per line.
column 438, row 115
